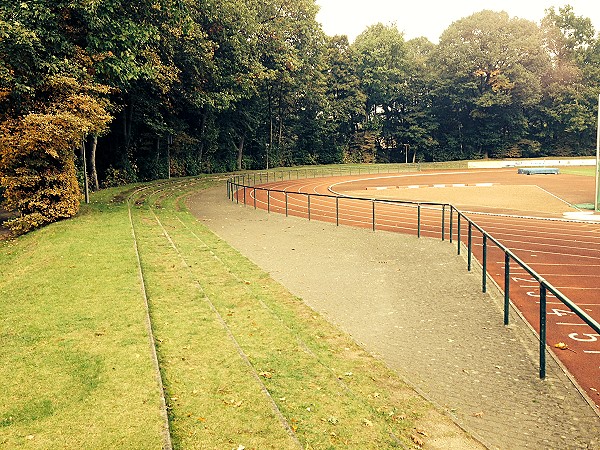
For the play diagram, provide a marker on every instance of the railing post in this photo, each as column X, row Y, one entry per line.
column 373, row 203
column 244, row 194
column 470, row 246
column 237, row 192
column 419, row 220
column 458, row 232
column 506, row 286
column 228, row 190
column 309, row 207
column 451, row 216
column 337, row 211
column 443, row 222
column 484, row 265
column 542, row 329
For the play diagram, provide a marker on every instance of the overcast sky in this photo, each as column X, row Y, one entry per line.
column 430, row 18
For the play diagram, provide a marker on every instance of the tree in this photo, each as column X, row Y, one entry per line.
column 384, row 72
column 488, row 67
column 36, row 154
column 48, row 104
column 564, row 121
column 345, row 100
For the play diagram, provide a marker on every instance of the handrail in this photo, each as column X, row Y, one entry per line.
column 239, row 182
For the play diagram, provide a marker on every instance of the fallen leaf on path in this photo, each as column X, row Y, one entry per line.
column 417, row 440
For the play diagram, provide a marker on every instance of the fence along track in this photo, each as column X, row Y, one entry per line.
column 240, row 185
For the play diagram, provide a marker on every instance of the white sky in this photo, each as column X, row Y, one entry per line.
column 430, row 18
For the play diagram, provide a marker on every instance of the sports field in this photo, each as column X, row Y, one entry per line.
column 531, row 215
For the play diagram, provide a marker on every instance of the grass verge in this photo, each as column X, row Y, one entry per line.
column 243, row 362
column 587, row 171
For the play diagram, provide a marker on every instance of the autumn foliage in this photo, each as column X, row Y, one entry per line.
column 37, row 166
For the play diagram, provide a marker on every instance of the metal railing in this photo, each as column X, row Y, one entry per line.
column 239, row 185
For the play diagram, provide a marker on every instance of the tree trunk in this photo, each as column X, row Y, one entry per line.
column 201, row 146
column 94, row 173
column 280, row 130
column 270, row 145
column 127, row 122
column 240, row 153
column 157, row 151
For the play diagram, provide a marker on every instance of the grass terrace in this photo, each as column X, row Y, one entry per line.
column 243, row 363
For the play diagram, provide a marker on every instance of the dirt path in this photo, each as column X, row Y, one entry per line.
column 412, row 303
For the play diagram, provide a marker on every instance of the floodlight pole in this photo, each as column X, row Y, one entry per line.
column 597, row 193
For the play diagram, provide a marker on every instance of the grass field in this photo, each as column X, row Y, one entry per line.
column 587, row 171
column 243, row 363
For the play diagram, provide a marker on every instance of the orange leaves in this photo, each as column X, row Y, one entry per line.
column 563, row 346
column 37, row 165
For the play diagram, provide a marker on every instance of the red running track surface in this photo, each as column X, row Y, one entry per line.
column 565, row 253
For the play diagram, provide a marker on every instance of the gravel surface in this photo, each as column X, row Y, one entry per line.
column 412, row 303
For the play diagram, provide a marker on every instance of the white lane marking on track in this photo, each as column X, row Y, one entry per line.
column 561, row 303
column 514, row 249
column 556, row 197
column 331, row 187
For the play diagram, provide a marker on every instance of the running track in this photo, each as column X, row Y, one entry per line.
column 566, row 254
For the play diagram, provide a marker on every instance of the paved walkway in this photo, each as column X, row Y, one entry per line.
column 412, row 303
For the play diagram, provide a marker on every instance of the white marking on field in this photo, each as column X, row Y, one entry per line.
column 484, row 184
column 582, row 215
column 439, row 185
column 459, row 185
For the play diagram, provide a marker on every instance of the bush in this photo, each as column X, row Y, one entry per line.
column 37, row 170
column 118, row 177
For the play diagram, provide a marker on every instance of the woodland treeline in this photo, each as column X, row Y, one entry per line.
column 150, row 88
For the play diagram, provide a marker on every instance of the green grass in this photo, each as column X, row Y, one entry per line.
column 73, row 345
column 587, row 171
column 243, row 362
